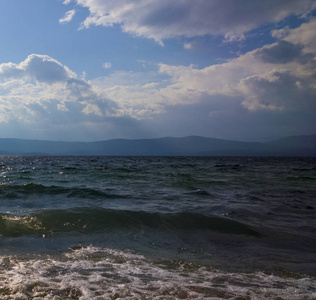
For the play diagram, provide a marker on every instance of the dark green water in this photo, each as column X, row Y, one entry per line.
column 157, row 227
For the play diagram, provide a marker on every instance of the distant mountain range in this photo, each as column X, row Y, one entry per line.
column 168, row 146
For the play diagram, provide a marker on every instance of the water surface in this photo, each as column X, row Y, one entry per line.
column 157, row 227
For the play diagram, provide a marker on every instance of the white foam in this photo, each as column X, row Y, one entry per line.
column 98, row 273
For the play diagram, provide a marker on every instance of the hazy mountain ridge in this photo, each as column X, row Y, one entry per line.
column 186, row 146
column 302, row 141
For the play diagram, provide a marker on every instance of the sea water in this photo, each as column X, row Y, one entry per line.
column 157, row 228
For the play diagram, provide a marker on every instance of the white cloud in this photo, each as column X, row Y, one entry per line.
column 304, row 35
column 193, row 45
column 150, row 85
column 107, row 65
column 165, row 19
column 265, row 78
column 280, row 77
column 281, row 33
column 68, row 15
column 137, row 95
column 188, row 46
column 275, row 84
column 41, row 68
column 42, row 90
column 92, row 109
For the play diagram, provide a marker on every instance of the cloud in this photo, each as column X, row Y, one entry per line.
column 45, row 69
column 137, row 95
column 271, row 89
column 277, row 77
column 278, row 90
column 267, row 78
column 193, row 45
column 40, row 90
column 68, row 15
column 107, row 65
column 283, row 52
column 304, row 35
column 165, row 19
column 41, row 68
column 281, row 33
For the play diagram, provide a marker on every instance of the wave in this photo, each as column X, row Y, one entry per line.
column 96, row 220
column 104, row 273
column 302, row 178
column 20, row 191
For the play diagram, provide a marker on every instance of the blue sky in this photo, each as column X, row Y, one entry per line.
column 87, row 70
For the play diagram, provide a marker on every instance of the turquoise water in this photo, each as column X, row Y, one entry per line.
column 157, row 227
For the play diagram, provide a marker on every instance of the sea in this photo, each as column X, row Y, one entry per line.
column 157, row 227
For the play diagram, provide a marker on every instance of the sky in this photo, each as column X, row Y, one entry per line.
column 92, row 70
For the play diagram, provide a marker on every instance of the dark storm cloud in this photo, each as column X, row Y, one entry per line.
column 283, row 52
column 279, row 91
